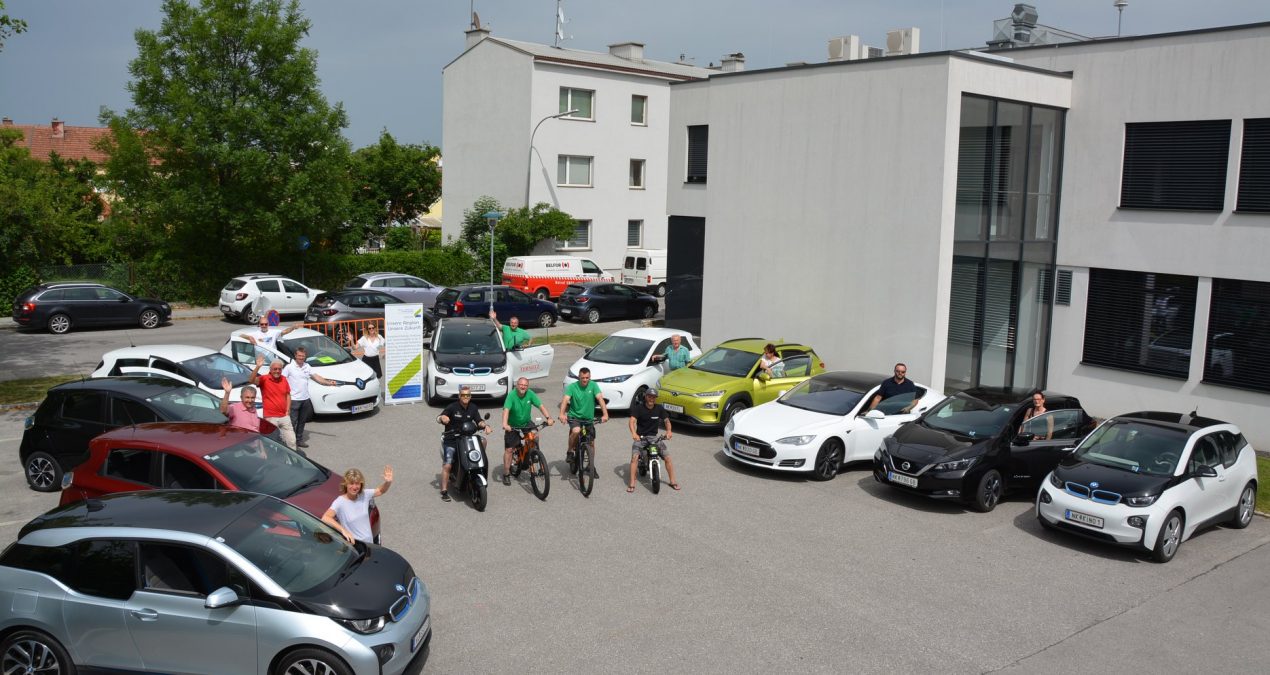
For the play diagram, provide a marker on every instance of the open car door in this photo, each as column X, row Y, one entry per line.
column 530, row 362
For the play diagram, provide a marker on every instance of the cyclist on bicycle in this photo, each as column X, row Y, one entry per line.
column 453, row 418
column 518, row 412
column 646, row 420
column 580, row 399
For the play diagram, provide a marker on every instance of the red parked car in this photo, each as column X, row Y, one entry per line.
column 202, row 456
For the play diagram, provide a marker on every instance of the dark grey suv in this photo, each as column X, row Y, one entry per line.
column 61, row 306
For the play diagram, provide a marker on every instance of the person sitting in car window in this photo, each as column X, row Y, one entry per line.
column 1038, row 408
column 769, row 362
column 894, row 386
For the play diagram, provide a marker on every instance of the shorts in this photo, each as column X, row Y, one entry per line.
column 447, row 452
column 511, row 439
column 575, row 423
column 637, row 446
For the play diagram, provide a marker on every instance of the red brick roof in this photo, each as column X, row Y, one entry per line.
column 75, row 143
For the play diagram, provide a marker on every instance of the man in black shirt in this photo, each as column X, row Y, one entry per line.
column 453, row 418
column 894, row 386
column 645, row 421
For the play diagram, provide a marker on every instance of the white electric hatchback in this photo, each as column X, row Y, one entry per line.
column 622, row 363
column 356, row 389
column 469, row 352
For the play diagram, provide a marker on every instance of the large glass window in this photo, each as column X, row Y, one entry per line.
column 579, row 100
column 573, row 171
column 1175, row 165
column 580, row 240
column 1237, row 352
column 1140, row 321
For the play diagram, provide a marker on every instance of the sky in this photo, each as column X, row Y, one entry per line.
column 383, row 58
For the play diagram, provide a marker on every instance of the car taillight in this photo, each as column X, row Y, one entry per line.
column 581, row 299
column 28, row 307
column 650, row 280
column 329, row 312
column 240, row 296
column 458, row 306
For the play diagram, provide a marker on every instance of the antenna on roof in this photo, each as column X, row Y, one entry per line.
column 560, row 22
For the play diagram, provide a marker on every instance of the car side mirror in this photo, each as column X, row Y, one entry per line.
column 222, row 597
column 874, row 414
column 1068, row 451
column 1204, row 472
column 587, row 352
column 1024, row 438
column 762, row 376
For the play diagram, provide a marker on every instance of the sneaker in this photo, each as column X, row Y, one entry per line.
column 301, row 444
column 594, row 474
column 445, row 496
column 571, row 457
column 507, row 480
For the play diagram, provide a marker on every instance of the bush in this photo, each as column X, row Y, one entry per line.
column 16, row 281
column 447, row 265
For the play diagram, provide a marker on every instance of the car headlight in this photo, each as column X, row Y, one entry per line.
column 727, row 428
column 501, row 369
column 1145, row 500
column 444, row 370
column 796, row 440
column 1056, row 481
column 474, row 455
column 710, row 394
column 364, row 626
column 615, row 379
column 956, row 464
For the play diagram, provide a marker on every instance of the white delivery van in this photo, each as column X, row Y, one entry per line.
column 546, row 276
column 646, row 268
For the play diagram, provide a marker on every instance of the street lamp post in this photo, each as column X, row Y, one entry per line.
column 529, row 167
column 491, row 218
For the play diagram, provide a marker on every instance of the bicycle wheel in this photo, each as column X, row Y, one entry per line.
column 539, row 479
column 585, row 481
column 654, row 476
column 479, row 497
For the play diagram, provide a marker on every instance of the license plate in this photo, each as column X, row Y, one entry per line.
column 420, row 634
column 477, row 387
column 670, row 407
column 901, row 479
column 365, row 407
column 566, row 311
column 745, row 449
column 444, row 311
column 1083, row 518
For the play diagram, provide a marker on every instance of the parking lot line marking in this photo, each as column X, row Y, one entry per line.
column 6, row 440
column 13, row 522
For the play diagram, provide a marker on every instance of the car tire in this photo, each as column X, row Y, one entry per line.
column 59, row 324
column 593, row 315
column 43, row 473
column 313, row 661
column 150, row 319
column 428, row 394
column 730, row 410
column 650, row 311
column 34, row 651
column 988, row 492
column 546, row 320
column 542, row 294
column 250, row 315
column 1170, row 537
column 639, row 398
column 1245, row 507
column 661, row 290
column 828, row 460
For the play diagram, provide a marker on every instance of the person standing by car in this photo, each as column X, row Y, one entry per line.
column 453, row 418
column 894, row 386
column 298, row 373
column 240, row 414
column 646, row 419
column 518, row 412
column 514, row 336
column 368, row 346
column 676, row 355
column 350, row 512
column 267, row 336
column 275, row 391
column 1038, row 408
column 580, row 399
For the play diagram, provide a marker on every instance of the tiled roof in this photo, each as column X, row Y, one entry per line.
column 75, row 143
column 677, row 71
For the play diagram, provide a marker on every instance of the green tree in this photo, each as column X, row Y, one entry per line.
column 392, row 183
column 401, row 238
column 230, row 153
column 9, row 26
column 519, row 231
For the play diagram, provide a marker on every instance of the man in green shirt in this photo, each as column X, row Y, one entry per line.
column 518, row 412
column 580, row 399
column 513, row 335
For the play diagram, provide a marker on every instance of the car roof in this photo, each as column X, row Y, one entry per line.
column 170, row 352
column 1186, row 421
column 651, row 333
column 260, row 275
column 141, row 386
column 1002, row 395
column 188, row 439
column 853, row 378
column 756, row 345
column 463, row 323
column 203, row 512
column 69, row 284
column 380, row 275
column 468, row 287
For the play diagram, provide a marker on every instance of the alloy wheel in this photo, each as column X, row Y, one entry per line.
column 30, row 656
column 40, row 472
column 1172, row 534
column 311, row 667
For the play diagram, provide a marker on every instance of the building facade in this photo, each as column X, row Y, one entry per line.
column 604, row 163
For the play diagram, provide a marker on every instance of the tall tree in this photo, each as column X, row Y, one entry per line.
column 230, row 146
column 518, row 232
column 9, row 26
column 392, row 183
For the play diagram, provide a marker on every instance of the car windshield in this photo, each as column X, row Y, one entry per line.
column 725, row 361
column 187, row 404
column 209, row 369
column 261, row 464
column 1134, row 446
column 321, row 350
column 823, row 395
column 293, row 548
column 965, row 415
column 235, row 284
column 621, row 350
column 355, row 282
column 474, row 340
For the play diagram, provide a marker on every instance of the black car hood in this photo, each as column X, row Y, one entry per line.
column 487, row 360
column 1123, row 482
column 922, row 444
column 365, row 593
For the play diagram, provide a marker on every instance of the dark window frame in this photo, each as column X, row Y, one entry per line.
column 1254, row 167
column 1175, row 165
column 698, row 154
column 1124, row 319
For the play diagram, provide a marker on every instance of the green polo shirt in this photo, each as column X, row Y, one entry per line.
column 677, row 358
column 521, row 410
column 582, row 400
column 514, row 337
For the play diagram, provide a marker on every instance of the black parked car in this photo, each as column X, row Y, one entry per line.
column 597, row 300
column 474, row 300
column 57, row 435
column 60, row 306
column 971, row 448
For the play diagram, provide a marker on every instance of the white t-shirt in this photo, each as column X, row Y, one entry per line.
column 298, row 376
column 369, row 346
column 267, row 338
column 355, row 515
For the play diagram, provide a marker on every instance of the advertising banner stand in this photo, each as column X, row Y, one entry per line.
column 403, row 354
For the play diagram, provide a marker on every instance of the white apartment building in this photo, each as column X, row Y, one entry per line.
column 604, row 164
column 1090, row 217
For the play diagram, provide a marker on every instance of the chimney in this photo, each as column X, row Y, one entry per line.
column 6, row 122
column 475, row 35
column 59, row 128
column 631, row 51
column 733, row 63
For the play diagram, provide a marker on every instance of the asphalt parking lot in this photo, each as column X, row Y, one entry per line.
column 744, row 571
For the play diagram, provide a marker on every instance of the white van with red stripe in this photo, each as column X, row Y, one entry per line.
column 546, row 276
